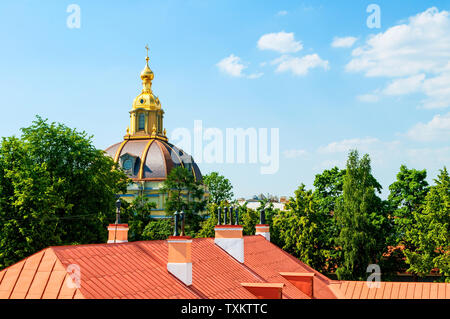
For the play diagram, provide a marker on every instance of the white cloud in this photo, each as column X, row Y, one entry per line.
column 282, row 42
column 282, row 13
column 380, row 152
column 300, row 66
column 255, row 75
column 422, row 45
column 368, row 98
column 405, row 85
column 295, row 153
column 428, row 157
column 345, row 42
column 437, row 90
column 346, row 145
column 438, row 129
column 231, row 65
column 416, row 54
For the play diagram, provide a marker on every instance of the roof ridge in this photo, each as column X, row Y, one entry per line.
column 58, row 260
column 321, row 276
column 24, row 259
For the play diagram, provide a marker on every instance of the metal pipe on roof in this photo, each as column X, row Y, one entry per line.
column 183, row 217
column 118, row 204
column 225, row 215
column 219, row 215
column 262, row 216
column 176, row 216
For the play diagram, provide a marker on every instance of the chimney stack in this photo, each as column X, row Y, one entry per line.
column 230, row 238
column 117, row 232
column 262, row 228
column 179, row 261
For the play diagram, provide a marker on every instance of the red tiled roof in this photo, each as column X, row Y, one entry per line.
column 395, row 290
column 267, row 260
column 139, row 270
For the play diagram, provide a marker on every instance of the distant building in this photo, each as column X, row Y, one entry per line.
column 145, row 153
column 255, row 203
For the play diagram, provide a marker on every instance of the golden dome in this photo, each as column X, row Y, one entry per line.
column 147, row 73
column 146, row 100
column 146, row 112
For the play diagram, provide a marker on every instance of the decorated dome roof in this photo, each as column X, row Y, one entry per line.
column 151, row 159
column 147, row 73
column 146, row 100
column 145, row 153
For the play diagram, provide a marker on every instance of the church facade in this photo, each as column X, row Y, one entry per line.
column 145, row 153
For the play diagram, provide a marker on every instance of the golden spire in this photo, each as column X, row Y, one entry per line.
column 147, row 76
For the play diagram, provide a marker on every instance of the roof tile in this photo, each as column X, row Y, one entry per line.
column 441, row 290
column 10, row 278
column 418, row 290
column 54, row 284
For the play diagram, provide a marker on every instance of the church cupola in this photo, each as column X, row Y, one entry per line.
column 146, row 115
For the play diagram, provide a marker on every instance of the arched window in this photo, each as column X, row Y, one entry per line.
column 141, row 122
column 158, row 122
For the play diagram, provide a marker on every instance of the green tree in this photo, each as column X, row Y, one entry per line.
column 219, row 187
column 207, row 226
column 185, row 194
column 328, row 191
column 407, row 195
column 430, row 231
column 329, row 187
column 56, row 188
column 248, row 218
column 362, row 219
column 158, row 229
column 300, row 228
column 138, row 215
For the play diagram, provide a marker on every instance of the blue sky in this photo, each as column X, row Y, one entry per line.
column 385, row 91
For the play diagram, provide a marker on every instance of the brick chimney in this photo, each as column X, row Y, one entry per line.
column 117, row 233
column 302, row 281
column 180, row 262
column 230, row 237
column 262, row 228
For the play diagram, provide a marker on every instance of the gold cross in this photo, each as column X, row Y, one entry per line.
column 146, row 46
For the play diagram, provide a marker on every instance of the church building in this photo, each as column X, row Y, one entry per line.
column 145, row 153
